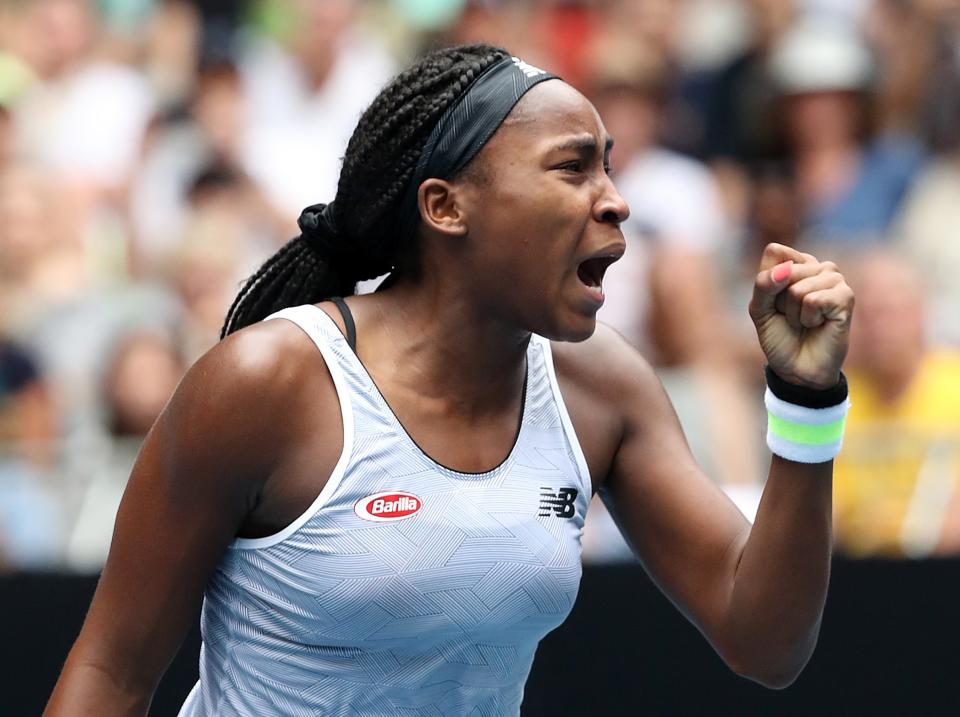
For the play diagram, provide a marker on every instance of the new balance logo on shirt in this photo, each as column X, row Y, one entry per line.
column 526, row 68
column 559, row 503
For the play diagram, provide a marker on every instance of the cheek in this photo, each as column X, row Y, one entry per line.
column 547, row 207
column 528, row 231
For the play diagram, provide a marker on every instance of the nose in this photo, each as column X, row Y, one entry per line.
column 611, row 207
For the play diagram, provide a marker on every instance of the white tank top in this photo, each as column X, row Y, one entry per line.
column 407, row 588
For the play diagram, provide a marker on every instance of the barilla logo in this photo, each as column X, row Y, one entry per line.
column 393, row 505
column 526, row 68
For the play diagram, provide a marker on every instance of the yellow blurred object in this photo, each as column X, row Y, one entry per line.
column 16, row 77
column 896, row 479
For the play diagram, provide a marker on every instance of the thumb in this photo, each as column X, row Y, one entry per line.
column 768, row 284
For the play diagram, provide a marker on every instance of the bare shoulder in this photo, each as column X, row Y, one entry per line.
column 243, row 396
column 272, row 353
column 605, row 365
column 609, row 390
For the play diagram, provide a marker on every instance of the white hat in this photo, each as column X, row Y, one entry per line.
column 819, row 55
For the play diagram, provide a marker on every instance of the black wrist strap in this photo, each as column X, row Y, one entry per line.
column 807, row 397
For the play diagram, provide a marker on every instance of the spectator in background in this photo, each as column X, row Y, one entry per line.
column 658, row 24
column 41, row 253
column 927, row 228
column 20, row 57
column 774, row 213
column 49, row 297
column 30, row 510
column 941, row 107
column 927, row 231
column 141, row 373
column 85, row 116
column 51, row 301
column 517, row 25
column 221, row 242
column 220, row 21
column 897, row 480
column 849, row 182
column 81, row 119
column 904, row 46
column 180, row 152
column 738, row 132
column 916, row 44
column 305, row 85
column 171, row 49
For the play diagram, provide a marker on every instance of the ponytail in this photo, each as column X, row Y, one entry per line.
column 318, row 264
column 358, row 236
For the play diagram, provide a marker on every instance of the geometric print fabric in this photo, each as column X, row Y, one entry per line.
column 435, row 614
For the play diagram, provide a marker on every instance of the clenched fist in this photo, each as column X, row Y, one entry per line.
column 802, row 308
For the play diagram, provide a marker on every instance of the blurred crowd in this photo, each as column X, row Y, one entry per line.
column 154, row 152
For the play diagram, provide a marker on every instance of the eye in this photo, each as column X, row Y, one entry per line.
column 572, row 166
column 607, row 168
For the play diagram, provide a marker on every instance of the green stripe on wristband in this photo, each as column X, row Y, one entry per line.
column 805, row 433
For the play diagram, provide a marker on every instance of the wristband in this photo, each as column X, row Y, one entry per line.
column 805, row 425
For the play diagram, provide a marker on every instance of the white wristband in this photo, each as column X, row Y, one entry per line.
column 804, row 435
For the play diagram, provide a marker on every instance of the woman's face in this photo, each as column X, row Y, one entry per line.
column 822, row 118
column 543, row 215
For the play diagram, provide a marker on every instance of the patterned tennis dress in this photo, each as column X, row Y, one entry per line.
column 406, row 588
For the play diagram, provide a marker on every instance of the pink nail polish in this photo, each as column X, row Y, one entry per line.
column 782, row 272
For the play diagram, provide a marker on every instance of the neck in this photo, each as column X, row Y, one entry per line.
column 434, row 341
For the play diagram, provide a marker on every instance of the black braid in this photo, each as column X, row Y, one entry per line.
column 276, row 264
column 378, row 164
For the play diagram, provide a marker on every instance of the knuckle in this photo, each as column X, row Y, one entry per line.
column 774, row 253
column 845, row 294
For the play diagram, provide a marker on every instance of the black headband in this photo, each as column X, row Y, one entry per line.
column 467, row 125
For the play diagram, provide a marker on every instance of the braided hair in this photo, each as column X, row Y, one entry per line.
column 361, row 240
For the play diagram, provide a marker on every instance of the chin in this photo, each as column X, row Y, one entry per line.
column 571, row 331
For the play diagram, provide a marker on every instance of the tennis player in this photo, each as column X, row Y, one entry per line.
column 380, row 500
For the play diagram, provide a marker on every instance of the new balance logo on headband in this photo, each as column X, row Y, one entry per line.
column 528, row 69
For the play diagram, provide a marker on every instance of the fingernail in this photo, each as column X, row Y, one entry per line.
column 782, row 271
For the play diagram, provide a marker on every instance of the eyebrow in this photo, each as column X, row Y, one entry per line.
column 583, row 143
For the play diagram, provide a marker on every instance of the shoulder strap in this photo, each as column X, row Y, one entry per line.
column 347, row 321
column 571, row 434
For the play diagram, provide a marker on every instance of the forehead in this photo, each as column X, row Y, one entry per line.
column 549, row 110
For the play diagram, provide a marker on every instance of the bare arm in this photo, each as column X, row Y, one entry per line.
column 196, row 478
column 757, row 593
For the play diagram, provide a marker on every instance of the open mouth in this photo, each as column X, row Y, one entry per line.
column 592, row 270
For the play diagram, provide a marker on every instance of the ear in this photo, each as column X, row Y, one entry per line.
column 441, row 207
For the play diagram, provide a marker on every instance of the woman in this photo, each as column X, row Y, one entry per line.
column 371, row 531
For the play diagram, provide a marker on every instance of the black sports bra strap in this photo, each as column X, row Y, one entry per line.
column 347, row 321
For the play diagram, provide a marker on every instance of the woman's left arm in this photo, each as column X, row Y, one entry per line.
column 757, row 593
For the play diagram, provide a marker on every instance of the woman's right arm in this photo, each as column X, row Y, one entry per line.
column 197, row 476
